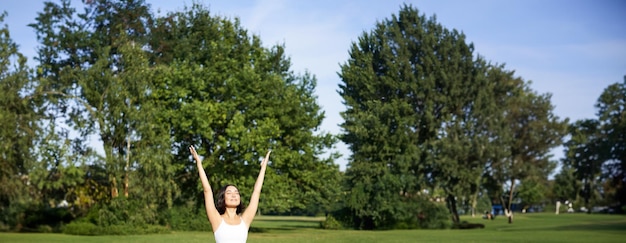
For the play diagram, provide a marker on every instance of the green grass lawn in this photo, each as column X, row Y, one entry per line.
column 537, row 227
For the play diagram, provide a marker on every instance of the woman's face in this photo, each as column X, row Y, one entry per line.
column 231, row 197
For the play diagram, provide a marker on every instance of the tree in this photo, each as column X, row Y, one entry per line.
column 565, row 185
column 530, row 131
column 19, row 128
column 418, row 117
column 97, row 80
column 532, row 191
column 148, row 144
column 596, row 149
column 234, row 99
column 89, row 79
column 611, row 113
column 584, row 156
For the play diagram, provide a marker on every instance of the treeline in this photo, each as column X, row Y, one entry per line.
column 433, row 127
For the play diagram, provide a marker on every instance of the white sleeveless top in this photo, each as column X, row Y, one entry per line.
column 227, row 233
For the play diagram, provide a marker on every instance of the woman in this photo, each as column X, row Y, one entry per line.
column 229, row 221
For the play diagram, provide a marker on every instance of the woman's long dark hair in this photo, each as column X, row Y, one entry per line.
column 221, row 204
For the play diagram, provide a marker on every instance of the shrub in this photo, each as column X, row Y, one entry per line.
column 187, row 218
column 44, row 229
column 81, row 228
column 432, row 215
column 330, row 223
column 121, row 216
column 343, row 217
column 41, row 218
column 122, row 211
column 4, row 227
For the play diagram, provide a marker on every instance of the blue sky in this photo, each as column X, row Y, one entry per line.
column 572, row 49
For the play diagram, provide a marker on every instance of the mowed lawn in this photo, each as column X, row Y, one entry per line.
column 538, row 227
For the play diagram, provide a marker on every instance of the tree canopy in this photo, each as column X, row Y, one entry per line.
column 148, row 86
column 424, row 112
column 596, row 150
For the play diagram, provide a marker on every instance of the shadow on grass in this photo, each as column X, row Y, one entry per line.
column 574, row 226
column 276, row 224
column 614, row 226
column 279, row 228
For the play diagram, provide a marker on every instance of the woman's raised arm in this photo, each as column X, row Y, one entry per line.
column 248, row 214
column 209, row 204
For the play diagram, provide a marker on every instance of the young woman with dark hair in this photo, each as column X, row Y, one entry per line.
column 230, row 222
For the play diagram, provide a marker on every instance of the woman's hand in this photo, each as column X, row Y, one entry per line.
column 266, row 159
column 194, row 154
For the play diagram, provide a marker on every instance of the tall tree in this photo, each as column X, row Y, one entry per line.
column 84, row 73
column 583, row 154
column 148, row 160
column 19, row 127
column 611, row 107
column 596, row 149
column 234, row 99
column 42, row 162
column 418, row 117
column 530, row 131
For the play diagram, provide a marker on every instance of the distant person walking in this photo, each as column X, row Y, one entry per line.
column 230, row 222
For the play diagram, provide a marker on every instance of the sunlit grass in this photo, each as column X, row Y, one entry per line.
column 538, row 227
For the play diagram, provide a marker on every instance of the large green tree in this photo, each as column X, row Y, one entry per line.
column 596, row 149
column 234, row 99
column 583, row 155
column 530, row 130
column 19, row 128
column 418, row 117
column 425, row 114
column 97, row 76
column 611, row 107
column 41, row 160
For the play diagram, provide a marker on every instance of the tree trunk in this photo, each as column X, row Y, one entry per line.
column 474, row 202
column 508, row 211
column 114, row 192
column 127, row 168
column 509, row 214
column 452, row 207
column 588, row 196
